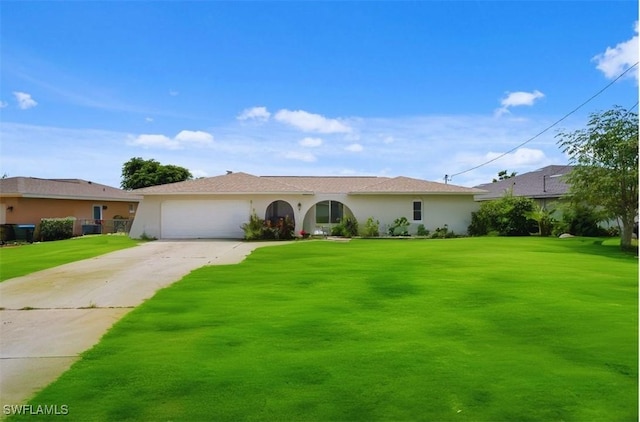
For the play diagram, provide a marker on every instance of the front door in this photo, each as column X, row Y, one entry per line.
column 97, row 213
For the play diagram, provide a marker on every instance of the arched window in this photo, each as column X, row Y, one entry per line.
column 329, row 212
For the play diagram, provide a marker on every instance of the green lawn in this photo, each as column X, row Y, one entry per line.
column 20, row 260
column 475, row 329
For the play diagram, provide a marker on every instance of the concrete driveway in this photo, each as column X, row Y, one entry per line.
column 48, row 318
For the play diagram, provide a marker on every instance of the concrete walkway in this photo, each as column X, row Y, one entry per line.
column 48, row 318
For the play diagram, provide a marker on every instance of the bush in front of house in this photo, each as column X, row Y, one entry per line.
column 347, row 227
column 580, row 220
column 253, row 228
column 258, row 229
column 56, row 228
column 442, row 233
column 371, row 228
column 282, row 229
column 400, row 227
column 507, row 216
column 422, row 230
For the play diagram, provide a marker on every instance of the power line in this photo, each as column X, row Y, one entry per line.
column 449, row 177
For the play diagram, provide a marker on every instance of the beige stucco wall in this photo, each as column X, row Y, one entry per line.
column 438, row 210
column 32, row 210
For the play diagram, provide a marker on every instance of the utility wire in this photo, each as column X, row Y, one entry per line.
column 449, row 177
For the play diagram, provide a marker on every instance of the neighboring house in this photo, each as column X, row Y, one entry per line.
column 27, row 200
column 216, row 207
column 545, row 185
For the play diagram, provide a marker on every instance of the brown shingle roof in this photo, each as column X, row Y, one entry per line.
column 229, row 183
column 246, row 183
column 406, row 185
column 327, row 184
column 547, row 182
column 33, row 187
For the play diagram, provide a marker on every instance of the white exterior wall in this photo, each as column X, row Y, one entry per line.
column 148, row 218
column 437, row 210
column 147, row 221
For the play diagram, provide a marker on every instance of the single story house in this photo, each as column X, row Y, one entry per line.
column 216, row 207
column 545, row 185
column 27, row 200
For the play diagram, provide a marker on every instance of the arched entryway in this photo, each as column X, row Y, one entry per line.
column 324, row 215
column 279, row 210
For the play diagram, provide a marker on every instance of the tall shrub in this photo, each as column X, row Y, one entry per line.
column 580, row 220
column 56, row 228
column 253, row 228
column 507, row 216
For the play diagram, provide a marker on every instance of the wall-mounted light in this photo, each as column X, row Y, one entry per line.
column 299, row 206
column 104, row 207
column 10, row 208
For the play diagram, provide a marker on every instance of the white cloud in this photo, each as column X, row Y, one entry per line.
column 300, row 156
column 194, row 137
column 174, row 93
column 154, row 141
column 3, row 104
column 309, row 122
column 255, row 113
column 24, row 100
column 182, row 139
column 199, row 173
column 616, row 60
column 354, row 148
column 148, row 119
column 310, row 142
column 519, row 98
column 522, row 157
column 426, row 147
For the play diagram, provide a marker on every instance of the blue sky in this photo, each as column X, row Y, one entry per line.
column 418, row 89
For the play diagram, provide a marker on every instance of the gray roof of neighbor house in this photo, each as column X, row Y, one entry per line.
column 243, row 183
column 33, row 187
column 547, row 182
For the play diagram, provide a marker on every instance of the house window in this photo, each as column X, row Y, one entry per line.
column 329, row 212
column 322, row 212
column 417, row 210
column 132, row 208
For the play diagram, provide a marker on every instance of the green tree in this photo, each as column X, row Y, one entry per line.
column 605, row 176
column 543, row 217
column 503, row 175
column 139, row 173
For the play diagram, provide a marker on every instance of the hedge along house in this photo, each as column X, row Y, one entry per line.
column 216, row 207
column 27, row 200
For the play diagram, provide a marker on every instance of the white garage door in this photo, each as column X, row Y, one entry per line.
column 193, row 219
